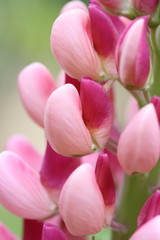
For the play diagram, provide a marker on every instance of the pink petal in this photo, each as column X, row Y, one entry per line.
column 35, row 86
column 150, row 230
column 150, row 209
column 131, row 109
column 72, row 81
column 106, row 185
column 6, row 234
column 104, row 33
column 74, row 49
column 20, row 189
column 81, row 203
column 134, row 68
column 115, row 5
column 97, row 111
column 138, row 147
column 73, row 5
column 32, row 230
column 21, row 145
column 51, row 232
column 56, row 168
column 64, row 126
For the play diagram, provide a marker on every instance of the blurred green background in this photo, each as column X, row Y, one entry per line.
column 25, row 27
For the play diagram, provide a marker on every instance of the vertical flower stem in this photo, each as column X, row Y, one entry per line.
column 134, row 193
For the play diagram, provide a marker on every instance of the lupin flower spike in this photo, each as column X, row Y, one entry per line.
column 138, row 146
column 81, row 203
column 35, row 85
column 132, row 54
column 150, row 209
column 150, row 230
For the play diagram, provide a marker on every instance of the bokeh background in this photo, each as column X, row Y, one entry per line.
column 25, row 27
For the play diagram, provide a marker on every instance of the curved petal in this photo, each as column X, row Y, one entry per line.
column 81, row 203
column 20, row 189
column 73, row 5
column 64, row 126
column 35, row 85
column 138, row 147
column 73, row 46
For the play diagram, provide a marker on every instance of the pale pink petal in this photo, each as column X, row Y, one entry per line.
column 149, row 231
column 21, row 145
column 73, row 5
column 97, row 110
column 81, row 203
column 73, row 46
column 60, row 78
column 64, row 126
column 6, row 234
column 35, row 85
column 20, row 189
column 138, row 147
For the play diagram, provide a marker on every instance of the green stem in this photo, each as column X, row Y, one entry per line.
column 133, row 196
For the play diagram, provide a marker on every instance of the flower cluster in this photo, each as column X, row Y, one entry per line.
column 93, row 174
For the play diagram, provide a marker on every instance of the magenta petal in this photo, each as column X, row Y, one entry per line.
column 73, row 81
column 6, row 234
column 103, row 30
column 56, row 168
column 97, row 110
column 51, row 232
column 150, row 209
column 106, row 185
column 32, row 230
column 156, row 102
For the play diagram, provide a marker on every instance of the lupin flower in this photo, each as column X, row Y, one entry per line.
column 138, row 146
column 91, row 55
column 84, row 199
column 132, row 54
column 145, row 6
column 150, row 209
column 51, row 232
column 35, row 85
column 78, row 125
column 6, row 234
column 150, row 230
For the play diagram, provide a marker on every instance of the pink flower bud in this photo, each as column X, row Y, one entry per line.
column 150, row 230
column 35, row 85
column 32, row 229
column 6, row 234
column 138, row 147
column 81, row 203
column 145, row 6
column 132, row 54
column 74, row 49
column 156, row 102
column 51, row 232
column 150, row 209
column 106, row 185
